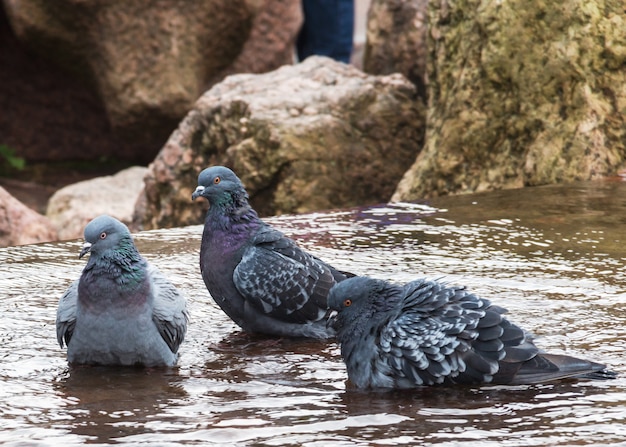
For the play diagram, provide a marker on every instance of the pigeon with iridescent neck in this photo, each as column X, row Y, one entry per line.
column 122, row 310
column 261, row 279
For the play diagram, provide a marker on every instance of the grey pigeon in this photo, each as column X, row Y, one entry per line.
column 259, row 277
column 122, row 310
column 428, row 333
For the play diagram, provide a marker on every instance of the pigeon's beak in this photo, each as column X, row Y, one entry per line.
column 86, row 249
column 331, row 316
column 197, row 193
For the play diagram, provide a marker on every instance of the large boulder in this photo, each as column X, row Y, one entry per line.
column 396, row 40
column 146, row 61
column 47, row 115
column 21, row 225
column 317, row 135
column 72, row 207
column 522, row 92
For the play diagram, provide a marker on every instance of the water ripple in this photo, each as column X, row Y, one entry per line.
column 554, row 257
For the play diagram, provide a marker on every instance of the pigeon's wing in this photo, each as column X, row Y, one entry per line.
column 421, row 350
column 170, row 309
column 283, row 281
column 446, row 334
column 430, row 341
column 66, row 314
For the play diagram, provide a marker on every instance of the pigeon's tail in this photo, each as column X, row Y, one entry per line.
column 548, row 367
column 603, row 374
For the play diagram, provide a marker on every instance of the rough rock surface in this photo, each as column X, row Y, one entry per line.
column 147, row 61
column 312, row 136
column 20, row 225
column 521, row 93
column 396, row 40
column 74, row 206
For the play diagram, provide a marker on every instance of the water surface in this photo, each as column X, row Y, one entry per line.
column 554, row 256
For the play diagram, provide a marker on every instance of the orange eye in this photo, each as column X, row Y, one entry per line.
column 347, row 303
column 216, row 180
column 103, row 235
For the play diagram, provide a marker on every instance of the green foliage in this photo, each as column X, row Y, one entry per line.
column 9, row 161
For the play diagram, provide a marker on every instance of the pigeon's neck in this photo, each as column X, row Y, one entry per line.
column 389, row 299
column 232, row 213
column 115, row 273
column 380, row 308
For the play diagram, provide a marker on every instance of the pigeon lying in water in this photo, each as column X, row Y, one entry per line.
column 427, row 333
column 259, row 277
column 122, row 310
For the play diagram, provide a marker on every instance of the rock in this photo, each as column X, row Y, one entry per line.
column 52, row 117
column 521, row 93
column 271, row 41
column 317, row 135
column 149, row 61
column 396, row 40
column 20, row 225
column 74, row 206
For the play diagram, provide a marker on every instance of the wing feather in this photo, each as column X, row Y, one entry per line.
column 282, row 280
column 66, row 314
column 434, row 337
column 170, row 309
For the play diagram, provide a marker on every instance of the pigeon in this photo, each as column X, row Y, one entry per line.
column 429, row 333
column 122, row 310
column 259, row 277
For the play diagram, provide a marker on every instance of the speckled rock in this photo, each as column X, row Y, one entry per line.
column 312, row 136
column 72, row 207
column 521, row 93
column 396, row 40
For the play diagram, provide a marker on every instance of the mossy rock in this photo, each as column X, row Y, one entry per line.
column 521, row 93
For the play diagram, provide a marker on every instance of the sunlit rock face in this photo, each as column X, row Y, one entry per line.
column 521, row 93
column 317, row 135
column 20, row 225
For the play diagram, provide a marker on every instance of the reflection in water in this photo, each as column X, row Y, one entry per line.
column 553, row 256
column 106, row 403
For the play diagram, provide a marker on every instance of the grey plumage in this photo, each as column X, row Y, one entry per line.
column 122, row 310
column 261, row 279
column 428, row 333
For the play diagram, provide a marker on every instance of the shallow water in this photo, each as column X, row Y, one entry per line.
column 554, row 256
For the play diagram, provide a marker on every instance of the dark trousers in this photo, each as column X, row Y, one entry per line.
column 327, row 29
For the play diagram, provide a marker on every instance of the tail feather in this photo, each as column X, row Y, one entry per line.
column 548, row 367
column 604, row 374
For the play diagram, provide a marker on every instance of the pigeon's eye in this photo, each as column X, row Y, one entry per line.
column 347, row 303
column 216, row 180
column 103, row 235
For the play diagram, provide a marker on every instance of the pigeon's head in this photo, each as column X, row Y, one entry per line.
column 352, row 301
column 104, row 233
column 219, row 185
